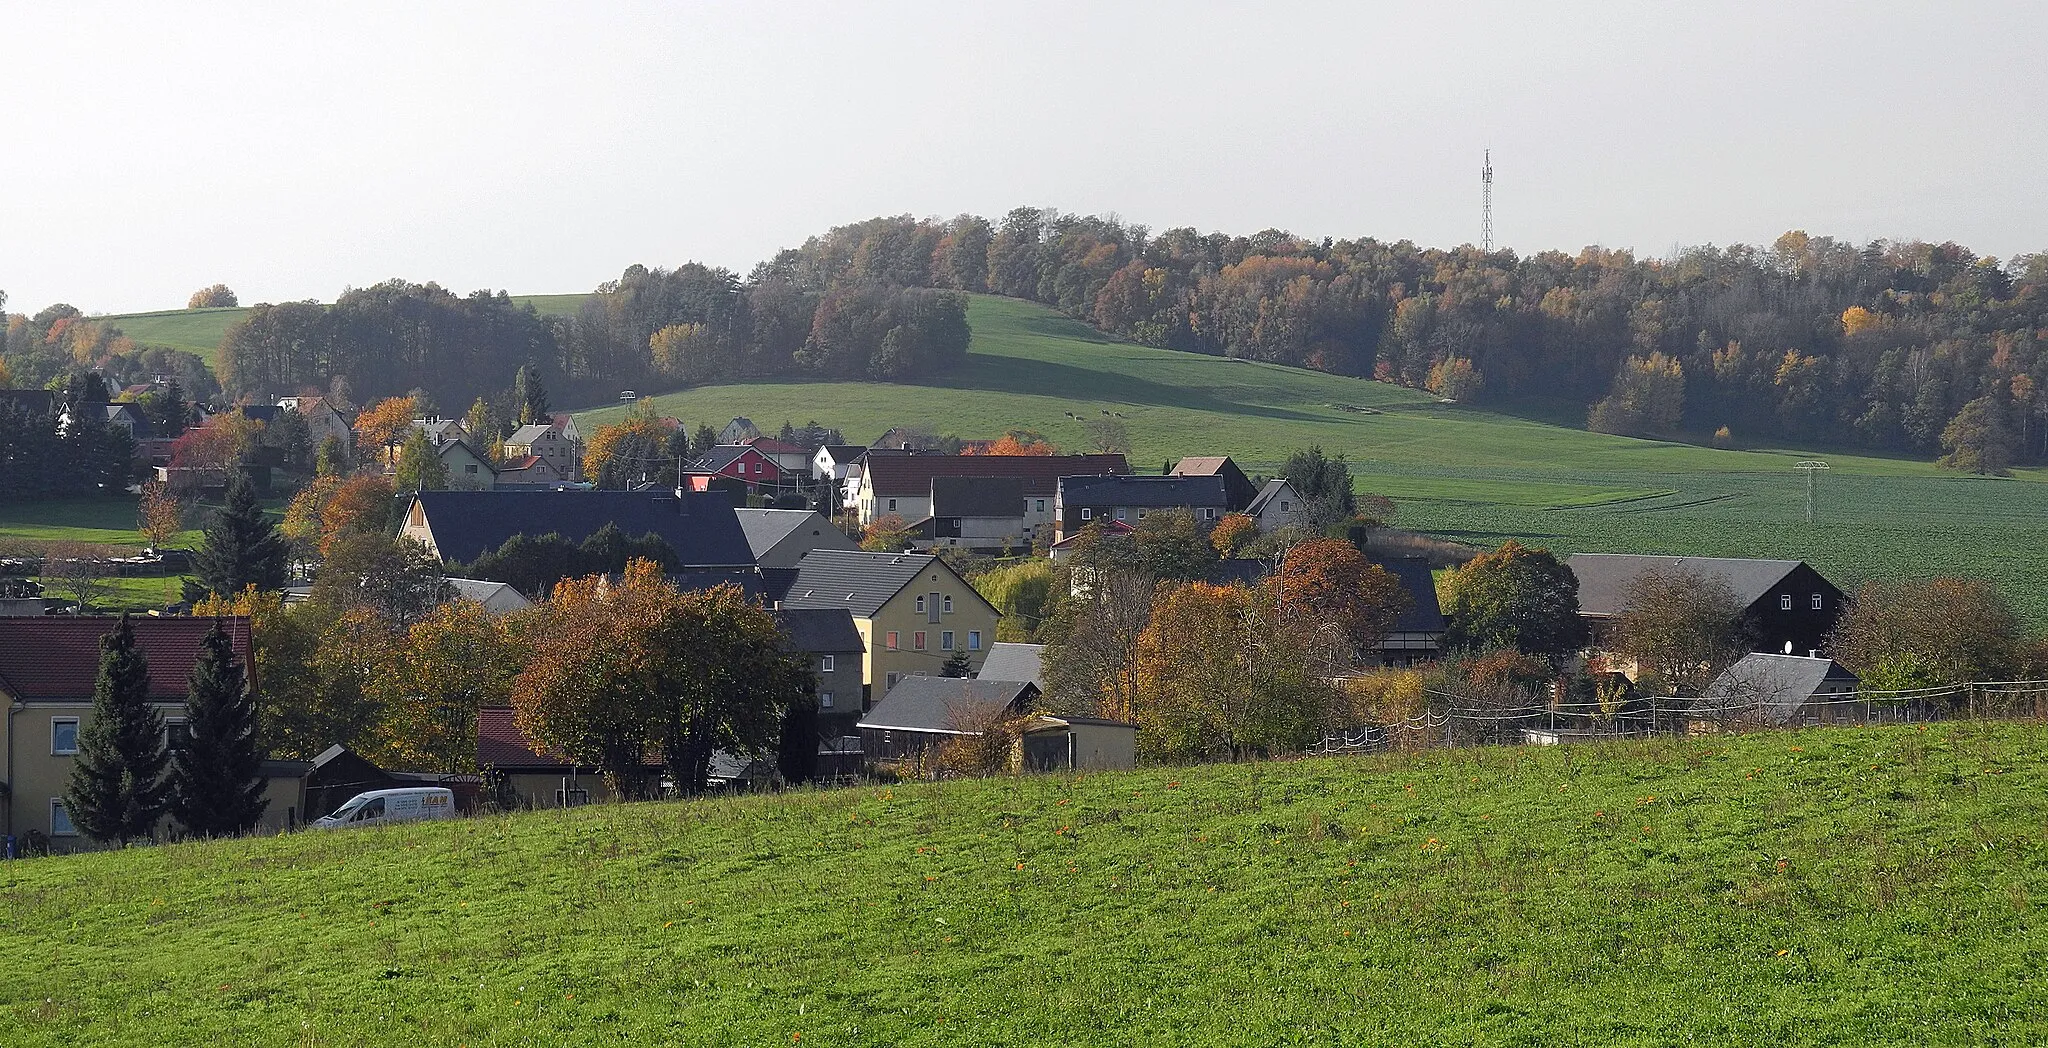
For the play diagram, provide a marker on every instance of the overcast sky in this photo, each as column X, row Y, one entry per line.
column 292, row 150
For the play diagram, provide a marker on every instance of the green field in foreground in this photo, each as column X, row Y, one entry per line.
column 200, row 330
column 1467, row 474
column 1843, row 886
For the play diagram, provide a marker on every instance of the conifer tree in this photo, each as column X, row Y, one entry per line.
column 117, row 787
column 217, row 779
column 534, row 409
column 243, row 547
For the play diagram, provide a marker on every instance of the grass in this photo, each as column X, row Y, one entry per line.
column 1455, row 471
column 200, row 330
column 103, row 522
column 1842, row 886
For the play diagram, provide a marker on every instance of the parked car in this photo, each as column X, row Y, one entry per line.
column 386, row 806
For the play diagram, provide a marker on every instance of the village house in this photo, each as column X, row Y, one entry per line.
column 738, row 431
column 323, row 421
column 519, row 773
column 556, row 443
column 1276, row 506
column 987, row 514
column 1788, row 607
column 793, row 461
column 830, row 642
column 744, row 463
column 921, row 715
column 1417, row 635
column 901, row 485
column 49, row 667
column 530, row 471
column 467, row 470
column 460, row 526
column 1238, row 490
column 912, row 611
column 1781, row 691
column 781, row 538
column 1081, row 500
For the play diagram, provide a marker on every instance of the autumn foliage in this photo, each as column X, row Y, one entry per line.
column 1232, row 534
column 380, row 424
column 1015, row 442
column 1329, row 581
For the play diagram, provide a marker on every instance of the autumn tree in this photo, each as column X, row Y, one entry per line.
column 399, row 580
column 1016, row 442
column 159, row 517
column 633, row 449
column 888, row 533
column 1647, row 398
column 1233, row 534
column 1927, row 632
column 1980, row 439
column 1108, row 436
column 1514, row 597
column 1091, row 639
column 454, row 660
column 216, row 782
column 1455, row 378
column 1328, row 581
column 1023, row 592
column 1220, row 671
column 379, row 425
column 419, row 467
column 1681, row 628
column 82, row 570
column 214, row 297
column 116, row 791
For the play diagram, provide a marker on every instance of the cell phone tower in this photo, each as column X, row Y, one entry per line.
column 1486, row 203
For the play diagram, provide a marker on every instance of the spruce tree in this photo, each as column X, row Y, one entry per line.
column 242, row 547
column 534, row 409
column 117, row 784
column 217, row 779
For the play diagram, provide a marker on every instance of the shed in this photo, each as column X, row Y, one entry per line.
column 1780, row 689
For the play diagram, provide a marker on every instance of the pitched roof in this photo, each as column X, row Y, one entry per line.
column 522, row 462
column 501, row 745
column 1272, row 490
column 529, row 434
column 1202, row 466
column 911, row 475
column 57, row 658
column 765, row 528
column 1424, row 615
column 844, row 453
column 497, row 596
column 1014, row 662
column 1162, row 492
column 820, row 629
column 36, row 401
column 701, row 527
column 1112, row 525
column 1778, row 684
column 720, row 456
column 1604, row 578
column 773, row 446
column 1237, row 573
column 859, row 582
column 977, row 496
column 758, row 585
column 948, row 704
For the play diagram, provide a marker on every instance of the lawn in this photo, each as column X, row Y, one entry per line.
column 1459, row 472
column 105, row 522
column 1844, row 886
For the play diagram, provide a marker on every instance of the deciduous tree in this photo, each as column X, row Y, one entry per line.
column 379, row 426
column 1329, row 581
column 1514, row 597
column 214, row 297
column 1232, row 534
column 159, row 517
column 419, row 465
column 1681, row 628
column 1933, row 631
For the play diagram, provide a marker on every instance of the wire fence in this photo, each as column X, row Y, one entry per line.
column 1456, row 720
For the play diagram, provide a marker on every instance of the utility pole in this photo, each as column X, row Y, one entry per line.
column 1809, row 468
column 1486, row 203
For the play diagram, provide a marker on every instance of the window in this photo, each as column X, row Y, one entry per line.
column 824, row 700
column 1141, row 514
column 891, row 645
column 1817, row 602
column 177, row 734
column 1283, row 507
column 932, row 606
column 1122, row 513
column 372, row 810
column 893, row 678
column 470, row 468
column 973, row 640
column 60, row 820
column 920, row 605
column 63, row 736
column 917, row 640
column 1208, row 513
column 945, row 640
column 1087, row 513
column 949, row 605
column 892, row 505
column 1040, row 507
column 825, row 664
column 1784, row 602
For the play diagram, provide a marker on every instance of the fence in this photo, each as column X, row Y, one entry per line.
column 1457, row 722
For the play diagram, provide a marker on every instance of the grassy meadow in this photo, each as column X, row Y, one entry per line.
column 1834, row 886
column 103, row 522
column 1467, row 474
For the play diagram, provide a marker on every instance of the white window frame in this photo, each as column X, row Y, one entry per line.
column 1087, row 513
column 54, row 751
column 946, row 605
column 891, row 640
column 1041, row 506
column 168, row 721
column 892, row 505
column 917, row 639
column 825, row 663
column 56, row 806
column 1818, row 602
column 824, row 700
column 973, row 640
column 1208, row 513
column 920, row 604
column 1784, row 602
column 1122, row 513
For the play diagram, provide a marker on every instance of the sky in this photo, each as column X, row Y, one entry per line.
column 293, row 150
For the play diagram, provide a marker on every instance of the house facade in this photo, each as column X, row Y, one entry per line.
column 1276, row 506
column 553, row 443
column 322, row 419
column 1238, row 489
column 1080, row 500
column 1788, row 607
column 990, row 514
column 913, row 612
column 793, row 461
column 830, row 642
column 782, row 538
column 901, row 484
column 529, row 471
column 744, row 463
column 467, row 470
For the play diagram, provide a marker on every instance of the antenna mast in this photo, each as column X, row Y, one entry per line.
column 1486, row 205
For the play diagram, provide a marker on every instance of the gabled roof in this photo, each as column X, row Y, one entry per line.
column 977, row 496
column 859, row 582
column 1203, row 466
column 440, row 428
column 37, row 401
column 522, row 462
column 1270, row 493
column 820, row 630
column 1112, row 526
column 527, row 435
column 500, row 745
column 758, row 585
column 496, row 596
column 458, row 442
column 1162, row 492
column 1604, row 578
column 766, row 528
column 844, row 453
column 895, row 476
column 57, row 658
column 1423, row 615
column 1247, row 573
column 259, row 412
column 701, row 527
column 1778, row 684
column 948, row 704
column 1014, row 662
column 721, row 456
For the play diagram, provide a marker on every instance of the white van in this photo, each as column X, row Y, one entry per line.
column 385, row 806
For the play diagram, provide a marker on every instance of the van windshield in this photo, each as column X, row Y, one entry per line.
column 344, row 811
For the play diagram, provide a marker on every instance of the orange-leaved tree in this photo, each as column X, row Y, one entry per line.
column 1014, row 443
column 380, row 424
column 1327, row 582
column 1232, row 534
column 454, row 661
column 1219, row 673
column 159, row 517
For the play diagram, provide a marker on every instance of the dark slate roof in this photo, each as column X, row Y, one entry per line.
column 977, row 496
column 501, row 745
column 57, row 658
column 37, row 401
column 1779, row 684
column 949, row 704
column 844, row 453
column 820, row 630
column 1014, row 662
column 1604, row 578
column 1163, row 492
column 265, row 413
column 765, row 528
column 134, row 415
column 702, row 528
column 720, row 456
column 1424, row 615
column 859, row 582
column 752, row 581
column 911, row 475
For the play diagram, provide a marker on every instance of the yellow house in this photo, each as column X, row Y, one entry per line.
column 48, row 668
column 912, row 611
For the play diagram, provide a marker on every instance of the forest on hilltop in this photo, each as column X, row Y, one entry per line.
column 1897, row 346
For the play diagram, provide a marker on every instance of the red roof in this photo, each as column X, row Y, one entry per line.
column 500, row 744
column 55, row 658
column 521, row 462
column 911, row 475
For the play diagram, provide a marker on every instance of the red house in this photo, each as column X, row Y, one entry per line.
column 750, row 465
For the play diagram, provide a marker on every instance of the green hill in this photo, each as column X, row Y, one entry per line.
column 1842, row 886
column 200, row 330
column 1463, row 473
